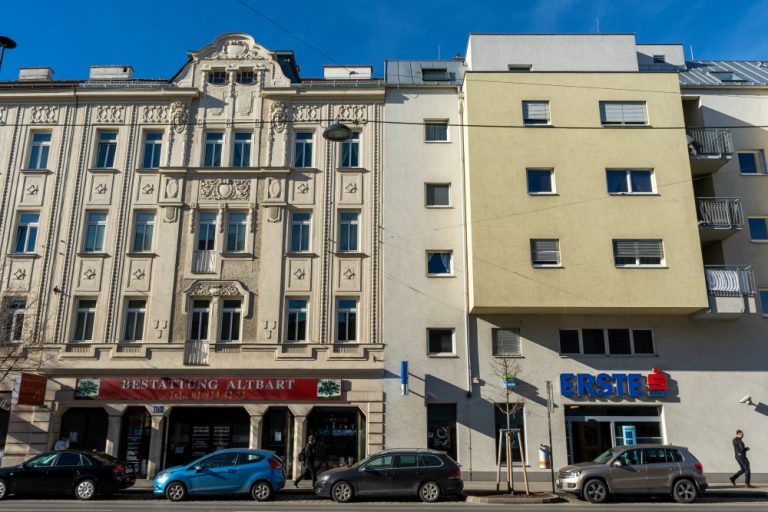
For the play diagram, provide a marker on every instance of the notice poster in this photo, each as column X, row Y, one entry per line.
column 221, row 436
column 201, row 440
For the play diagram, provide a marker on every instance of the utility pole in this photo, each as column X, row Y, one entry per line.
column 550, row 407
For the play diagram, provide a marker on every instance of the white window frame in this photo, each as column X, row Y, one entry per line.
column 495, row 353
column 535, row 121
column 303, row 143
column 436, row 184
column 231, row 312
column 111, row 149
column 546, row 265
column 29, row 229
column 606, row 342
column 348, row 312
column 155, row 147
column 551, row 171
column 450, row 272
column 86, row 312
column 97, row 226
column 453, row 342
column 200, row 311
column 43, row 151
column 289, row 311
column 13, row 323
column 242, row 226
column 604, row 118
column 749, row 229
column 628, row 180
column 759, row 154
column 244, row 71
column 213, row 74
column 242, row 143
column 210, row 227
column 306, row 225
column 355, row 140
column 637, row 263
column 132, row 314
column 349, row 225
column 147, row 225
column 213, row 143
column 441, row 122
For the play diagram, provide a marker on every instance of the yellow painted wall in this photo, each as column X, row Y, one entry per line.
column 503, row 217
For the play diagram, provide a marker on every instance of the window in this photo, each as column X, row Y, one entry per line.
column 410, row 460
column 303, row 149
column 435, row 75
column 659, row 59
column 95, row 228
column 429, row 461
column 214, row 141
column 14, row 320
column 346, row 320
column 439, row 341
column 517, row 68
column 349, row 224
column 236, row 229
column 143, row 231
column 105, row 158
column 38, row 151
column 85, row 315
column 631, row 458
column 42, row 461
column 436, row 131
column 220, row 460
column 245, row 76
column 296, row 320
column 26, row 232
column 135, row 314
column 68, row 459
column 241, row 156
column 350, row 151
column 300, row 226
column 438, row 194
column 153, row 143
column 379, row 463
column 637, row 253
column 231, row 311
column 629, row 181
column 217, row 76
column 545, row 252
column 535, row 113
column 439, row 263
column 764, row 302
column 623, row 113
column 619, row 342
column 752, row 162
column 728, row 76
column 248, row 458
column 206, row 232
column 506, row 342
column 201, row 312
column 540, row 181
column 515, row 421
column 758, row 229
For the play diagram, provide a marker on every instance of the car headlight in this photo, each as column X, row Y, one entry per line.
column 574, row 473
column 163, row 475
column 323, row 478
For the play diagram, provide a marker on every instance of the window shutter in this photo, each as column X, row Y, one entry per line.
column 634, row 112
column 637, row 249
column 536, row 111
column 611, row 112
column 545, row 251
column 506, row 342
column 622, row 112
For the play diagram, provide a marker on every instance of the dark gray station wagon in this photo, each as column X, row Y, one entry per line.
column 428, row 474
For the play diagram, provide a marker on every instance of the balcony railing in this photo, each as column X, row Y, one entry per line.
column 196, row 352
column 204, row 262
column 720, row 212
column 730, row 281
column 709, row 141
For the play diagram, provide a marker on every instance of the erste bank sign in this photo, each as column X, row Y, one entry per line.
column 602, row 385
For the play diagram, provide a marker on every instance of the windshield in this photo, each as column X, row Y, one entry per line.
column 604, row 457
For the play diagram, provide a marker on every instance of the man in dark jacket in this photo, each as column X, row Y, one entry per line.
column 740, row 451
column 308, row 459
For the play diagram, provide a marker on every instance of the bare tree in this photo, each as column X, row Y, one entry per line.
column 20, row 350
column 506, row 370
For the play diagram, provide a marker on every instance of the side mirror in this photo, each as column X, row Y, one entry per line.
column 617, row 464
column 366, row 469
column 198, row 468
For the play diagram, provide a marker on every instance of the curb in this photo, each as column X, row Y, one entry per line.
column 513, row 500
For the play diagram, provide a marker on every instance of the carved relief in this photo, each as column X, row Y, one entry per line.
column 100, row 189
column 357, row 114
column 45, row 114
column 299, row 275
column 19, row 274
column 237, row 50
column 274, row 189
column 274, row 214
column 32, row 190
column 350, row 189
column 279, row 116
column 139, row 271
column 170, row 214
column 216, row 101
column 179, row 116
column 245, row 103
column 220, row 189
column 110, row 114
column 90, row 275
column 146, row 189
column 302, row 189
column 154, row 114
column 348, row 277
column 306, row 113
column 171, row 188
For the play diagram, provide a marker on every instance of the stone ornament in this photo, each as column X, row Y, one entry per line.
column 299, row 273
column 33, row 190
column 89, row 274
column 139, row 274
column 237, row 50
column 303, row 188
column 179, row 116
column 274, row 189
column 351, row 187
column 171, row 188
column 101, row 188
column 45, row 114
column 349, row 273
column 110, row 114
column 357, row 114
column 3, row 113
column 215, row 289
column 306, row 113
column 279, row 116
column 225, row 188
column 20, row 274
column 148, row 188
column 154, row 114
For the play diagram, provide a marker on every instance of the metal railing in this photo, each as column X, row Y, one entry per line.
column 196, row 352
column 720, row 212
column 341, row 83
column 730, row 280
column 709, row 141
column 204, row 262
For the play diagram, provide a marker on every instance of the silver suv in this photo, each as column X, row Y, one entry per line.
column 638, row 469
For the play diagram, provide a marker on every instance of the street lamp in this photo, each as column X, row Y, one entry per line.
column 5, row 42
column 337, row 132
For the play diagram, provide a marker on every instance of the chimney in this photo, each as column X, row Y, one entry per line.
column 35, row 74
column 111, row 73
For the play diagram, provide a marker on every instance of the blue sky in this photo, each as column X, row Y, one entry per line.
column 154, row 36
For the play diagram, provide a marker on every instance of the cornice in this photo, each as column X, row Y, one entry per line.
column 81, row 94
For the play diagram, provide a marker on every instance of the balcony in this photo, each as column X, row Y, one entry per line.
column 719, row 217
column 196, row 353
column 709, row 149
column 204, row 262
column 731, row 291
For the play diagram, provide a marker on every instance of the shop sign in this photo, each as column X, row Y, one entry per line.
column 207, row 389
column 629, row 433
column 602, row 385
column 30, row 389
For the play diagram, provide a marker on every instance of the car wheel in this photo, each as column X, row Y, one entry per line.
column 342, row 492
column 176, row 491
column 685, row 491
column 261, row 491
column 3, row 489
column 595, row 491
column 85, row 489
column 429, row 492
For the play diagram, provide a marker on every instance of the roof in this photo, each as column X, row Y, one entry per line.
column 409, row 72
column 700, row 73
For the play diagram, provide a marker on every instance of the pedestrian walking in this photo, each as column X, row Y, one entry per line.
column 61, row 444
column 740, row 451
column 308, row 459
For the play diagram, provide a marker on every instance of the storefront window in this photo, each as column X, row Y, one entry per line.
column 515, row 421
column 136, row 432
column 340, row 434
column 197, row 431
column 85, row 427
column 441, row 428
column 277, row 434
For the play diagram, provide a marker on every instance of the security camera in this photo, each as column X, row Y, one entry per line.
column 746, row 400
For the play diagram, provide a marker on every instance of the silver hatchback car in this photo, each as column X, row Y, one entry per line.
column 638, row 469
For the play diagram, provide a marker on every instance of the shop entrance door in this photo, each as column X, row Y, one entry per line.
column 85, row 427
column 136, row 433
column 441, row 428
column 277, row 435
column 196, row 431
column 340, row 435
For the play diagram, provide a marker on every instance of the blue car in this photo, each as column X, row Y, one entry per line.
column 235, row 471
